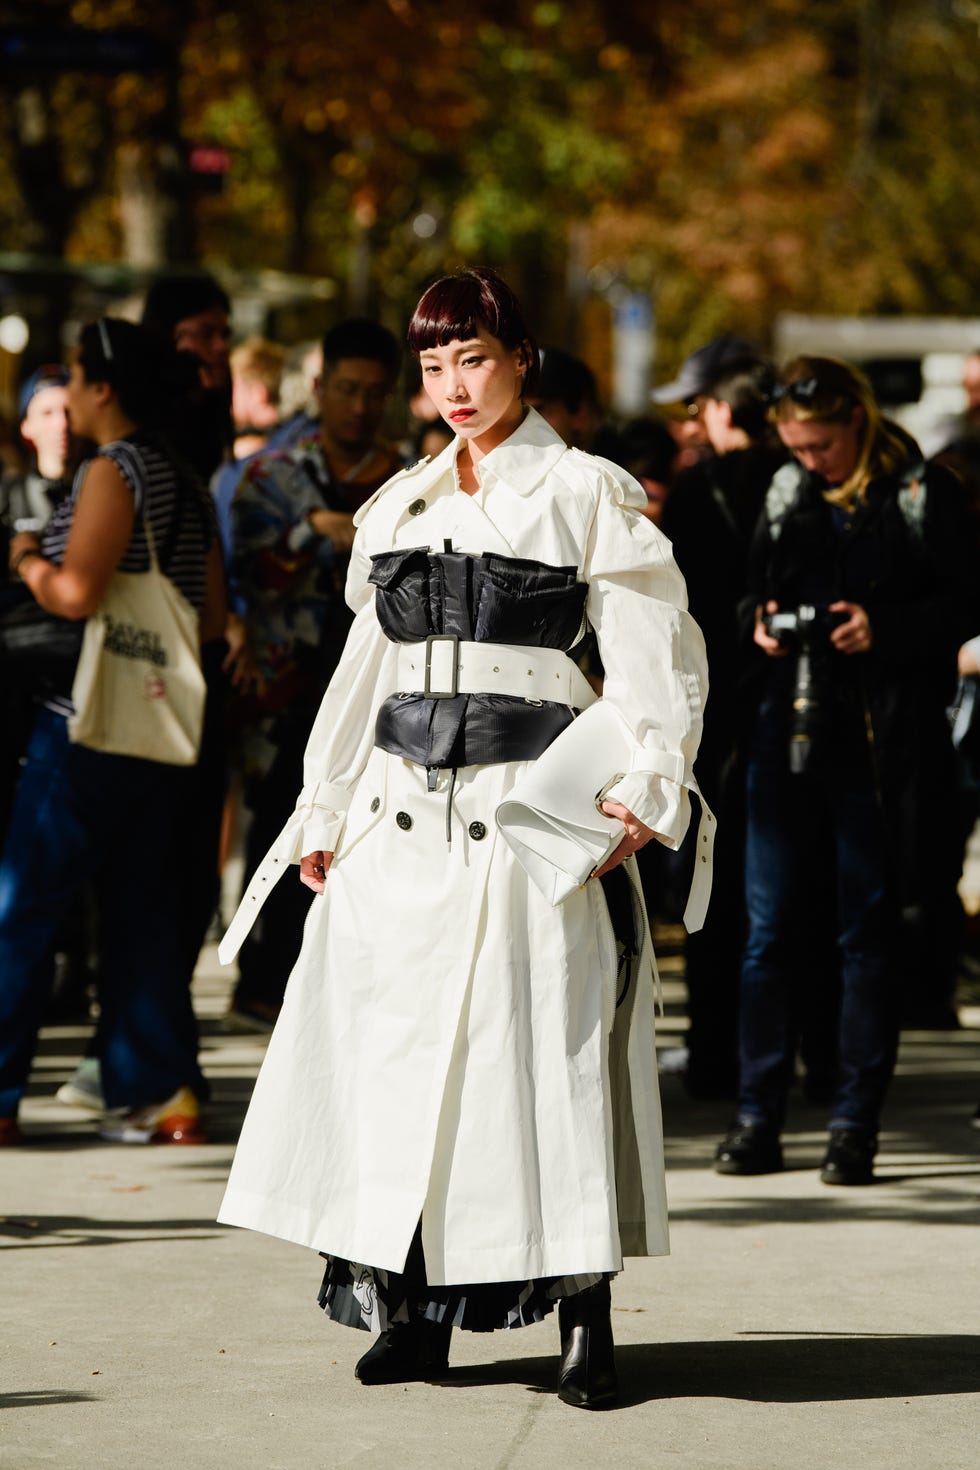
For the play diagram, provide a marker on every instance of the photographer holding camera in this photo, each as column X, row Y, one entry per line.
column 858, row 586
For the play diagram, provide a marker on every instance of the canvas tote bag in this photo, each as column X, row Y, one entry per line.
column 139, row 689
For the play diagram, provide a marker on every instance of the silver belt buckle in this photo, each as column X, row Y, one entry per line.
column 453, row 681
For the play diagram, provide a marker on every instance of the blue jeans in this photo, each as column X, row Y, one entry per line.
column 800, row 829
column 81, row 814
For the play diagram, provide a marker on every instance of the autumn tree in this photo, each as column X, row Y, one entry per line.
column 728, row 162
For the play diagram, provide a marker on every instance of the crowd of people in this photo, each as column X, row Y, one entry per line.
column 460, row 680
column 830, row 567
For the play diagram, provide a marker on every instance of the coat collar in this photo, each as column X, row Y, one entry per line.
column 520, row 463
column 523, row 460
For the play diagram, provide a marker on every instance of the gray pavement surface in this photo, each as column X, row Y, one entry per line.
column 793, row 1325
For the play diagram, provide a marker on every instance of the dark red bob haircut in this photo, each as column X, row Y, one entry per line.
column 454, row 309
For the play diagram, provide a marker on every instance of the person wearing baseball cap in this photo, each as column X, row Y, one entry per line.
column 691, row 387
column 28, row 500
column 701, row 368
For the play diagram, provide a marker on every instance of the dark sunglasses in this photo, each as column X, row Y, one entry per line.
column 803, row 391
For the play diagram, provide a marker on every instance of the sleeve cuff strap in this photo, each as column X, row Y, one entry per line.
column 324, row 794
column 665, row 763
column 661, row 805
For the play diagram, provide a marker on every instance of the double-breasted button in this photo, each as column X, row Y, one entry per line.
column 477, row 831
column 416, row 508
column 404, row 821
column 376, row 802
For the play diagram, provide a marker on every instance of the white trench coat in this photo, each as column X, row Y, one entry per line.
column 449, row 1045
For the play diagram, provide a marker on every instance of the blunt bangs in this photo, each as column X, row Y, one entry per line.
column 455, row 309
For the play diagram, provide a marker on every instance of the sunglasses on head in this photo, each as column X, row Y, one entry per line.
column 803, row 391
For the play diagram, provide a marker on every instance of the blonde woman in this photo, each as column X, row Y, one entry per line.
column 857, row 585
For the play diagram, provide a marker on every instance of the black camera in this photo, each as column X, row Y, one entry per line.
column 805, row 631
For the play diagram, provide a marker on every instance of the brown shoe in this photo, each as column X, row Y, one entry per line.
column 10, row 1134
column 178, row 1120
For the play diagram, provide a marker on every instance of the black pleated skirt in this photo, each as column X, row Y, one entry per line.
column 373, row 1299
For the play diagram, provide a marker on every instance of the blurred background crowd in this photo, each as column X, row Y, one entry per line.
column 749, row 241
column 803, row 755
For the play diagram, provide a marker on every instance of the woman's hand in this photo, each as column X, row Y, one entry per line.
column 762, row 636
column 313, row 870
column 335, row 526
column 854, row 635
column 240, row 663
column 20, row 543
column 637, row 836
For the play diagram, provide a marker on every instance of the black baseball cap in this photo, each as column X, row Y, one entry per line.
column 701, row 369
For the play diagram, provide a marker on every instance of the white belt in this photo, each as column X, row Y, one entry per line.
column 445, row 665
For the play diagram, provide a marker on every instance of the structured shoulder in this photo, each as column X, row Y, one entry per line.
column 605, row 474
column 397, row 479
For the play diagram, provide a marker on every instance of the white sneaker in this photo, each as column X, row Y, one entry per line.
column 84, row 1088
column 178, row 1120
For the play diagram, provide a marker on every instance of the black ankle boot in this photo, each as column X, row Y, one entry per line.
column 587, row 1371
column 409, row 1352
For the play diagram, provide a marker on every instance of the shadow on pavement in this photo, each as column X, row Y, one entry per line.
column 42, row 1398
column 37, row 1231
column 792, row 1370
column 932, row 1207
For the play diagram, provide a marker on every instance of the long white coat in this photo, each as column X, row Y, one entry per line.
column 449, row 1044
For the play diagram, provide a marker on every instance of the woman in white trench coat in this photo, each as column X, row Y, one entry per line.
column 459, row 1104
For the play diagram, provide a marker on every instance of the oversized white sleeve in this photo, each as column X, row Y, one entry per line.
column 343, row 732
column 336, row 754
column 656, row 671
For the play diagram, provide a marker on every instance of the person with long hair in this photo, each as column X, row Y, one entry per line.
column 82, row 815
column 857, row 587
column 459, row 1104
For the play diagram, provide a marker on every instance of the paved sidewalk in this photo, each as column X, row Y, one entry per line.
column 794, row 1325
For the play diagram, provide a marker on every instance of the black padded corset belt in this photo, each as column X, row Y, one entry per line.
column 484, row 599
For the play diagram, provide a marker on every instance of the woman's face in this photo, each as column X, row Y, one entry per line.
column 829, row 450
column 476, row 386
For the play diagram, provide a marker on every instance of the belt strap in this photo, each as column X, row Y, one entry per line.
column 444, row 666
column 700, row 893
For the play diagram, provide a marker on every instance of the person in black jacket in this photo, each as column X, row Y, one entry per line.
column 857, row 593
column 710, row 516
